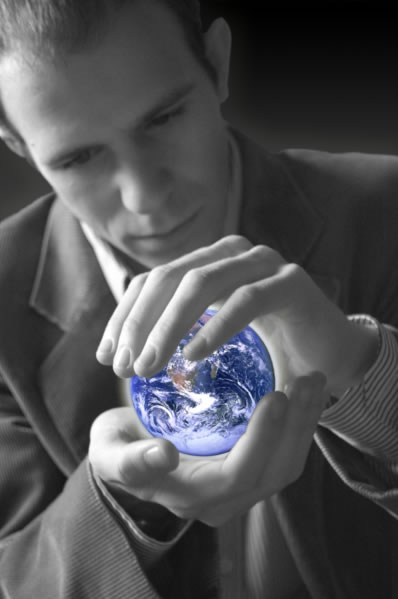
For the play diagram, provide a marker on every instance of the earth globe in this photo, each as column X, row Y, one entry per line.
column 204, row 407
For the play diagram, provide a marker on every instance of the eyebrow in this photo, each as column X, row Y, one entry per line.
column 172, row 97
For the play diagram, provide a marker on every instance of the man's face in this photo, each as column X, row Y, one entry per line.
column 129, row 134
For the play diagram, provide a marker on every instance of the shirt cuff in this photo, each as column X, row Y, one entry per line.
column 148, row 549
column 366, row 415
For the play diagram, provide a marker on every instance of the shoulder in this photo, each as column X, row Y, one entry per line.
column 20, row 230
column 346, row 164
column 346, row 179
column 357, row 197
column 21, row 237
column 30, row 216
column 355, row 193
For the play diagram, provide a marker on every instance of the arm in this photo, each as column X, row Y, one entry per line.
column 311, row 333
column 366, row 415
column 59, row 538
column 363, row 449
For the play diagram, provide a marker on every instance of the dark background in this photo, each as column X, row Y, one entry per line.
column 312, row 75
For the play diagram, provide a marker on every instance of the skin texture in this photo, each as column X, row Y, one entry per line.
column 156, row 189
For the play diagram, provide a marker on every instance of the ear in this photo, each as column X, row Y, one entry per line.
column 16, row 145
column 12, row 142
column 218, row 51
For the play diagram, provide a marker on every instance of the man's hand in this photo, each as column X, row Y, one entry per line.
column 270, row 455
column 251, row 284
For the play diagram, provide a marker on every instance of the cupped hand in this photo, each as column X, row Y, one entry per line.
column 250, row 284
column 270, row 455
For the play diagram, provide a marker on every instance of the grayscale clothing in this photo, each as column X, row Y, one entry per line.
column 61, row 537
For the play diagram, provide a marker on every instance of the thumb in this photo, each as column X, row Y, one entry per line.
column 143, row 461
column 118, row 457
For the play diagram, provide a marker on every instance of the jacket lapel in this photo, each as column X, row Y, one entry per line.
column 70, row 291
column 275, row 211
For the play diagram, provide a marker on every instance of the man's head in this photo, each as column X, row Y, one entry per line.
column 120, row 112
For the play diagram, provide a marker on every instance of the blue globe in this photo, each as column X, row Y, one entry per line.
column 204, row 407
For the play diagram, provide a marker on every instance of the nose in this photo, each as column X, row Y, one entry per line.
column 143, row 185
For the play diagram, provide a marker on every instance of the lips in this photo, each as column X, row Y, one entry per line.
column 169, row 232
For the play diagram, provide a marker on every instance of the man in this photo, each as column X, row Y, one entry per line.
column 117, row 104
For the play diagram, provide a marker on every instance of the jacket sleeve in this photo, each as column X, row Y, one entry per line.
column 359, row 433
column 59, row 539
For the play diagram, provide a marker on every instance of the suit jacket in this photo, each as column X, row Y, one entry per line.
column 337, row 215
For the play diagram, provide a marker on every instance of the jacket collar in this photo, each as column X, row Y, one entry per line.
column 57, row 293
column 70, row 291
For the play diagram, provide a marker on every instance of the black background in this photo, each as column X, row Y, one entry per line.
column 312, row 75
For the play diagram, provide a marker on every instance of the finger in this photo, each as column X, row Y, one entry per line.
column 199, row 288
column 253, row 451
column 306, row 402
column 110, row 338
column 268, row 295
column 120, row 459
column 269, row 456
column 198, row 485
column 157, row 292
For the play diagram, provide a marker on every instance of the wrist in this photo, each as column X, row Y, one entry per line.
column 359, row 350
column 153, row 519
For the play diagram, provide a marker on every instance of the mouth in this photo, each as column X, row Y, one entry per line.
column 170, row 232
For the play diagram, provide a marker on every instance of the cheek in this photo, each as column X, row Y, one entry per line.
column 93, row 202
column 204, row 158
column 199, row 144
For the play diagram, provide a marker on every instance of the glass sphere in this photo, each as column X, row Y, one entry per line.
column 204, row 407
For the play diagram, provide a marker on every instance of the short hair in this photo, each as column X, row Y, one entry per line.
column 56, row 27
column 71, row 25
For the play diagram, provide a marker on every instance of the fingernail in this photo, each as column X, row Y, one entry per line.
column 155, row 457
column 146, row 359
column 123, row 357
column 106, row 346
column 196, row 347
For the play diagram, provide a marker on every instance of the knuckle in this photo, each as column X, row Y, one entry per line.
column 138, row 281
column 115, row 324
column 161, row 273
column 160, row 332
column 294, row 271
column 248, row 294
column 238, row 243
column 261, row 252
column 196, row 278
column 130, row 327
column 265, row 253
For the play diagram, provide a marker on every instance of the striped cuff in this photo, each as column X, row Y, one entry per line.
column 366, row 416
column 147, row 549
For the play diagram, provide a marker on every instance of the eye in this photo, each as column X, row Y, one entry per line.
column 166, row 117
column 80, row 159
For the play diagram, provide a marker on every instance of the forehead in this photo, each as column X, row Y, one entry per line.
column 143, row 55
